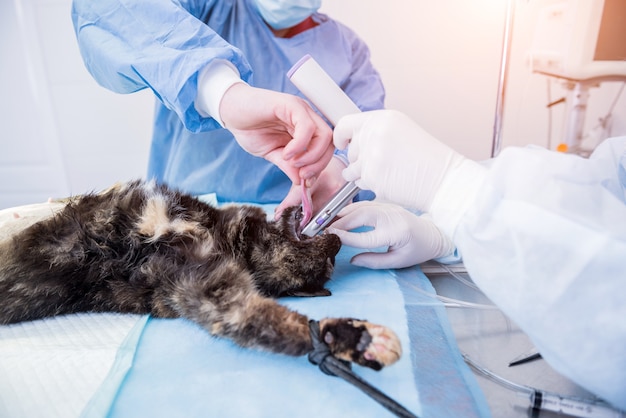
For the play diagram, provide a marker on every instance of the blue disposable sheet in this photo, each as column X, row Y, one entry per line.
column 174, row 368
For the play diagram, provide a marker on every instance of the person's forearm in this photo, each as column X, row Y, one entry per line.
column 126, row 49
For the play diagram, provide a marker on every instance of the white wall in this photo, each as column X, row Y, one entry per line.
column 440, row 62
column 63, row 134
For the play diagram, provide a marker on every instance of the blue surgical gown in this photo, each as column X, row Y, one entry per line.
column 129, row 45
column 545, row 239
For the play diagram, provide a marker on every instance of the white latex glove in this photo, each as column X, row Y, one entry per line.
column 410, row 239
column 394, row 157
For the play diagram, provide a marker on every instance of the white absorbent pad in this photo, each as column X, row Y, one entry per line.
column 52, row 367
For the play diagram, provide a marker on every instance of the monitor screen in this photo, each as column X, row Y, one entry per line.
column 611, row 43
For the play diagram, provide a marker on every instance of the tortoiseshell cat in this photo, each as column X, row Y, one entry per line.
column 141, row 247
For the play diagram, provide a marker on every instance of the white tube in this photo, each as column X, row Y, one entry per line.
column 311, row 79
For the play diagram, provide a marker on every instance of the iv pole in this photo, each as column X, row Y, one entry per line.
column 506, row 52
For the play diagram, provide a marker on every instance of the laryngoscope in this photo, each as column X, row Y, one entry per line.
column 333, row 103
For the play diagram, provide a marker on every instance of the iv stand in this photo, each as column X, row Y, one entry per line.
column 579, row 96
column 506, row 52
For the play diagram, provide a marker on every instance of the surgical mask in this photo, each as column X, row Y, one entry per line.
column 282, row 14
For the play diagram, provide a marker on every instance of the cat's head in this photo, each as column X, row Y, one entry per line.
column 287, row 263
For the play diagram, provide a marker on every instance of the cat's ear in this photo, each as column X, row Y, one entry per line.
column 309, row 293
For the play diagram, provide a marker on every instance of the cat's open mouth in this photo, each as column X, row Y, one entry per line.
column 294, row 217
column 299, row 225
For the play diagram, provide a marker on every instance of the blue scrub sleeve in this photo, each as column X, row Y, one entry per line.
column 162, row 45
column 364, row 84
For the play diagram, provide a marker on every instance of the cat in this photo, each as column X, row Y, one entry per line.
column 142, row 247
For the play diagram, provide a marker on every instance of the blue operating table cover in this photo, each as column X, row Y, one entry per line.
column 174, row 368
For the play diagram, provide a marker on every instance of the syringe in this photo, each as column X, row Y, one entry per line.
column 543, row 400
column 569, row 405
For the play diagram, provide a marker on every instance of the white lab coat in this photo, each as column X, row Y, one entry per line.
column 545, row 239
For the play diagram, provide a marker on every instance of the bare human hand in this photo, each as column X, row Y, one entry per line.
column 279, row 127
column 326, row 185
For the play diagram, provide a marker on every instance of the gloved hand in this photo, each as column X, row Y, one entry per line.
column 394, row 157
column 410, row 239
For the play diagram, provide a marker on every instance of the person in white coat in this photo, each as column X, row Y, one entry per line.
column 543, row 234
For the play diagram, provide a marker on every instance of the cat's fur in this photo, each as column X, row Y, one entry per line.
column 141, row 247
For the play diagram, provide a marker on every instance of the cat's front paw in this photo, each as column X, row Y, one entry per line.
column 361, row 342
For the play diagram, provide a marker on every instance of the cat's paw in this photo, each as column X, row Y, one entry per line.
column 361, row 342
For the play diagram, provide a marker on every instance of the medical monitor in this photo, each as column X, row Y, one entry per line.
column 580, row 39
